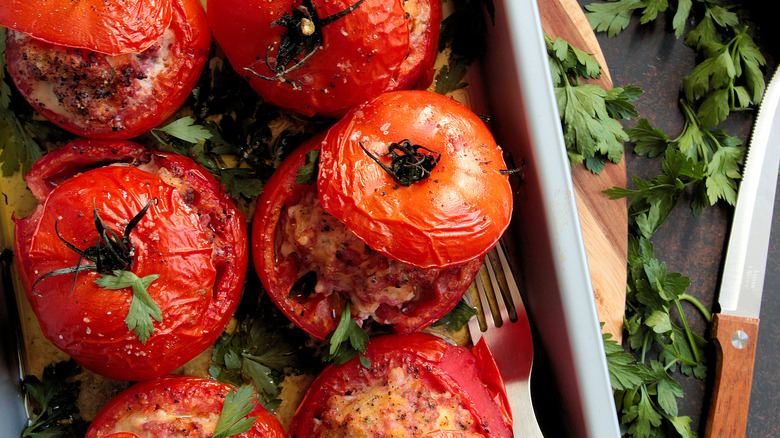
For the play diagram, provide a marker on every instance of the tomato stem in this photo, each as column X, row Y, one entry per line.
column 301, row 40
column 409, row 166
column 115, row 254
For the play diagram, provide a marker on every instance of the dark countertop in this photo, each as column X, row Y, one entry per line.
column 650, row 57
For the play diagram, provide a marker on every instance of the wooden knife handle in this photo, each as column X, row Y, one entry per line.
column 736, row 339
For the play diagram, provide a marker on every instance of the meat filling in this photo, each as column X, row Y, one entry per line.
column 345, row 264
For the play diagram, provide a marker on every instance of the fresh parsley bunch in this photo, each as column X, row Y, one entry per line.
column 702, row 160
column 728, row 77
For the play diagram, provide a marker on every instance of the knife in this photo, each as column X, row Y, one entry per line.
column 735, row 328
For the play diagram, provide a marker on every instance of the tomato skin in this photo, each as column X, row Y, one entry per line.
column 430, row 359
column 315, row 315
column 372, row 49
column 187, row 399
column 458, row 213
column 318, row 314
column 193, row 237
column 113, row 96
column 451, row 434
column 105, row 26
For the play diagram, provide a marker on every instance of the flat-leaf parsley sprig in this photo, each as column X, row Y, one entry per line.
column 588, row 113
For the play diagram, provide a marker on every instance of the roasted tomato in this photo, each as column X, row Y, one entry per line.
column 173, row 406
column 118, row 96
column 322, row 57
column 310, row 258
column 416, row 384
column 105, row 26
column 156, row 218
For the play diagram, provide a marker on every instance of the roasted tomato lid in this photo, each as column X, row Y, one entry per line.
column 106, row 26
column 454, row 213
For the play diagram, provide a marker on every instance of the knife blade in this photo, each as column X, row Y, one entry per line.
column 735, row 328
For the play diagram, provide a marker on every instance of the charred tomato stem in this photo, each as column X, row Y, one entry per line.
column 301, row 40
column 409, row 164
column 109, row 253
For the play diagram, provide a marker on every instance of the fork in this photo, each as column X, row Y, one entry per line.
column 503, row 324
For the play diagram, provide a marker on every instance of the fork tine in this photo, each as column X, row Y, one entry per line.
column 512, row 345
column 474, row 299
column 488, row 293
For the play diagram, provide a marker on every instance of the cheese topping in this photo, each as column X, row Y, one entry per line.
column 398, row 406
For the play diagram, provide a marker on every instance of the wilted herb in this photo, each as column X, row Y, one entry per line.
column 261, row 351
column 53, row 398
column 456, row 318
column 18, row 150
column 463, row 33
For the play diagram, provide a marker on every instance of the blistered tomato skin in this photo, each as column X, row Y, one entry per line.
column 381, row 45
column 122, row 96
column 192, row 236
column 105, row 26
column 454, row 215
column 416, row 384
column 174, row 406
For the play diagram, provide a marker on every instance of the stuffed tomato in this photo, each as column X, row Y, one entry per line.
column 106, row 69
column 323, row 57
column 402, row 251
column 418, row 385
column 176, row 406
column 133, row 261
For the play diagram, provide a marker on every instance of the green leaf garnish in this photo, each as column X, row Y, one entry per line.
column 346, row 341
column 53, row 402
column 233, row 420
column 186, row 129
column 142, row 306
column 18, row 150
column 459, row 316
column 307, row 174
column 262, row 351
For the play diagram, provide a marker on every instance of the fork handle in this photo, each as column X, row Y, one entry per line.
column 735, row 338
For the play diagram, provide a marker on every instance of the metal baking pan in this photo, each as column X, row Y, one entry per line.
column 571, row 386
column 570, row 381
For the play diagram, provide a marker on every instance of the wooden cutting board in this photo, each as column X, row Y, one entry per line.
column 604, row 221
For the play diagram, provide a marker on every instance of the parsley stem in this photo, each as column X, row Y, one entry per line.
column 688, row 332
column 696, row 303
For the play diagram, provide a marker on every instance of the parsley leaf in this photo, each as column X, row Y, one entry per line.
column 346, row 341
column 233, row 419
column 18, row 150
column 307, row 174
column 53, row 399
column 715, row 81
column 186, row 129
column 262, row 351
column 611, row 17
column 459, row 316
column 589, row 114
column 646, row 392
column 142, row 306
